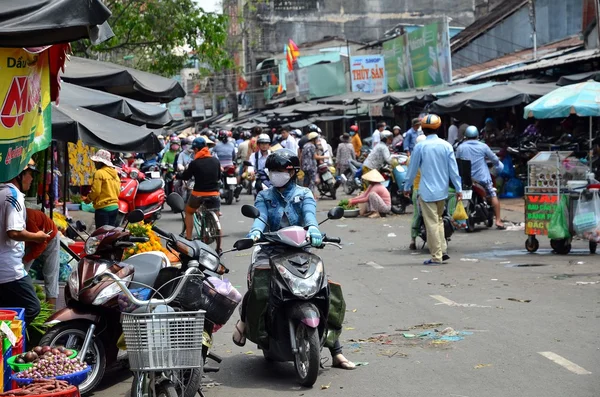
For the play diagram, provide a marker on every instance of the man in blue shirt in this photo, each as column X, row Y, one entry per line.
column 435, row 158
column 477, row 152
column 410, row 139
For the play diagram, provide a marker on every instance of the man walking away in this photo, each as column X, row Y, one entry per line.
column 477, row 152
column 377, row 134
column 16, row 287
column 435, row 158
column 288, row 141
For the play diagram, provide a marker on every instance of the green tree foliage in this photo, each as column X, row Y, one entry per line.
column 153, row 33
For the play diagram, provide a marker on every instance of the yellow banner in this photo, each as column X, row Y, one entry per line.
column 25, row 114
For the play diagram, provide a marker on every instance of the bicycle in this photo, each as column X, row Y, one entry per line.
column 207, row 227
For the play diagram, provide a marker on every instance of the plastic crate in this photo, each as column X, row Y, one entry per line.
column 2, row 373
column 21, row 316
column 6, row 381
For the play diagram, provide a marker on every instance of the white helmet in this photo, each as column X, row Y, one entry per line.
column 263, row 138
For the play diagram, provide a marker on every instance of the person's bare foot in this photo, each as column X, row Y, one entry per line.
column 339, row 361
column 375, row 215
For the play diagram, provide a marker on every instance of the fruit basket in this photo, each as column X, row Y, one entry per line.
column 74, row 379
column 22, row 367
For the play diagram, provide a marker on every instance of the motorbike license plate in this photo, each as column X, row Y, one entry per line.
column 155, row 175
column 467, row 194
column 231, row 181
column 327, row 176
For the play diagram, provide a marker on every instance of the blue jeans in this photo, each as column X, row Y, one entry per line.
column 20, row 293
column 103, row 217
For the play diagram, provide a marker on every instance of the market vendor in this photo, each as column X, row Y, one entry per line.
column 16, row 287
column 106, row 187
column 48, row 251
column 376, row 200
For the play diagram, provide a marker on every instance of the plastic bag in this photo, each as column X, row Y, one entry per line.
column 87, row 207
column 558, row 228
column 508, row 170
column 459, row 213
column 587, row 214
column 126, row 306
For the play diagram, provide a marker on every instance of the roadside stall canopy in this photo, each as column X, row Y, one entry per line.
column 70, row 124
column 115, row 106
column 121, row 80
column 300, row 123
column 34, row 23
column 498, row 96
column 579, row 78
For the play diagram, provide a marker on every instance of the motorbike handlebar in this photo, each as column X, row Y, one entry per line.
column 138, row 239
column 160, row 231
column 335, row 240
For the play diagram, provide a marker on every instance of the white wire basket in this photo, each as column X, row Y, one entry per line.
column 163, row 341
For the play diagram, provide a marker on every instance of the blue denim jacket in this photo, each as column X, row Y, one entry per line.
column 296, row 202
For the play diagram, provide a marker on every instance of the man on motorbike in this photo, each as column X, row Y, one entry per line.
column 168, row 159
column 284, row 204
column 186, row 156
column 380, row 155
column 258, row 161
column 226, row 153
column 477, row 152
column 206, row 172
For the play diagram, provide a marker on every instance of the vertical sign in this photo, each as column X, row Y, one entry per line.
column 290, row 83
column 25, row 113
column 368, row 74
column 303, row 82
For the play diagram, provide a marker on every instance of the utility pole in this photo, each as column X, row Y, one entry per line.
column 534, row 30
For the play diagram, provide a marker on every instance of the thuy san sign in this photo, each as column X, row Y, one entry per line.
column 368, row 74
column 25, row 112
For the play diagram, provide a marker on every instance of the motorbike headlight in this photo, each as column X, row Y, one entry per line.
column 91, row 245
column 73, row 283
column 304, row 287
column 210, row 261
column 133, row 174
column 110, row 292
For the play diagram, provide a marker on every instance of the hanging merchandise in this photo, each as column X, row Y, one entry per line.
column 587, row 214
column 82, row 167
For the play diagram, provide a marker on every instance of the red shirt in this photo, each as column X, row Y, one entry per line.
column 36, row 221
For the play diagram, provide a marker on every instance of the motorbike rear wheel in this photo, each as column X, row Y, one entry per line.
column 399, row 209
column 229, row 197
column 141, row 384
column 308, row 358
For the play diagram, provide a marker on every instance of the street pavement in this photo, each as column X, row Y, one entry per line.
column 528, row 323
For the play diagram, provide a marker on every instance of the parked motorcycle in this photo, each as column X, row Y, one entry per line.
column 139, row 193
column 296, row 316
column 327, row 185
column 353, row 175
column 395, row 176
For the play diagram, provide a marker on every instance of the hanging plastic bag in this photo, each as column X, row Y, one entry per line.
column 587, row 214
column 558, row 229
column 508, row 170
column 459, row 217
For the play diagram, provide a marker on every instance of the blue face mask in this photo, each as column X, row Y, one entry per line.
column 352, row 133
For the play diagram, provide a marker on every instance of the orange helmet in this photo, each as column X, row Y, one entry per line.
column 431, row 121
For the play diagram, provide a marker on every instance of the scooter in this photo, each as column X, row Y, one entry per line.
column 327, row 184
column 475, row 199
column 90, row 321
column 395, row 177
column 248, row 177
column 298, row 305
column 353, row 175
column 229, row 186
column 139, row 193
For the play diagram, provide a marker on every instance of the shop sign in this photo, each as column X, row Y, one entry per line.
column 539, row 209
column 368, row 74
column 25, row 111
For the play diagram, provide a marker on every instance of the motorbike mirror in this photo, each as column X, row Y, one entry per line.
column 250, row 211
column 243, row 244
column 81, row 227
column 335, row 213
column 176, row 203
column 135, row 216
column 247, row 163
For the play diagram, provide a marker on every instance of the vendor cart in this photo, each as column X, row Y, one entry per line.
column 550, row 175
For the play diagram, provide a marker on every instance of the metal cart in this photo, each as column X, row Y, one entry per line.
column 549, row 177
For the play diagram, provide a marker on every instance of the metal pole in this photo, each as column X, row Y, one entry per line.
column 44, row 179
column 66, row 179
column 349, row 66
column 591, row 148
column 532, row 14
column 51, row 190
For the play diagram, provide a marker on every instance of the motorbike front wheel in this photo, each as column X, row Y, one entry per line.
column 141, row 384
column 71, row 336
column 308, row 358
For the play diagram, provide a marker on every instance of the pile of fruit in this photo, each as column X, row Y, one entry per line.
column 41, row 351
column 144, row 230
column 38, row 387
column 51, row 363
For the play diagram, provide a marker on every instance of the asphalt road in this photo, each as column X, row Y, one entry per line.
column 528, row 322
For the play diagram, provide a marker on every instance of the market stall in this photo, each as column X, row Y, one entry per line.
column 553, row 175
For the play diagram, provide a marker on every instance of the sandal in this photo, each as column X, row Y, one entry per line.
column 343, row 364
column 431, row 262
column 241, row 339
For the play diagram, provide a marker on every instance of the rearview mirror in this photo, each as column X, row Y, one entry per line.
column 135, row 216
column 176, row 203
column 250, row 211
column 80, row 226
column 335, row 213
column 243, row 244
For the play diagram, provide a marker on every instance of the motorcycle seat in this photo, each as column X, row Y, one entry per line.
column 147, row 265
column 150, row 186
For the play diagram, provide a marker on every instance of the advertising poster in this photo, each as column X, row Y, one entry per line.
column 539, row 209
column 25, row 113
column 368, row 74
column 420, row 58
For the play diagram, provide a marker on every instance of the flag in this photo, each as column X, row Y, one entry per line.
column 289, row 57
column 242, row 83
column 279, row 89
column 274, row 79
column 294, row 50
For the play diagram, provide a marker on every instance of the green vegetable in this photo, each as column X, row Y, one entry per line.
column 345, row 204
